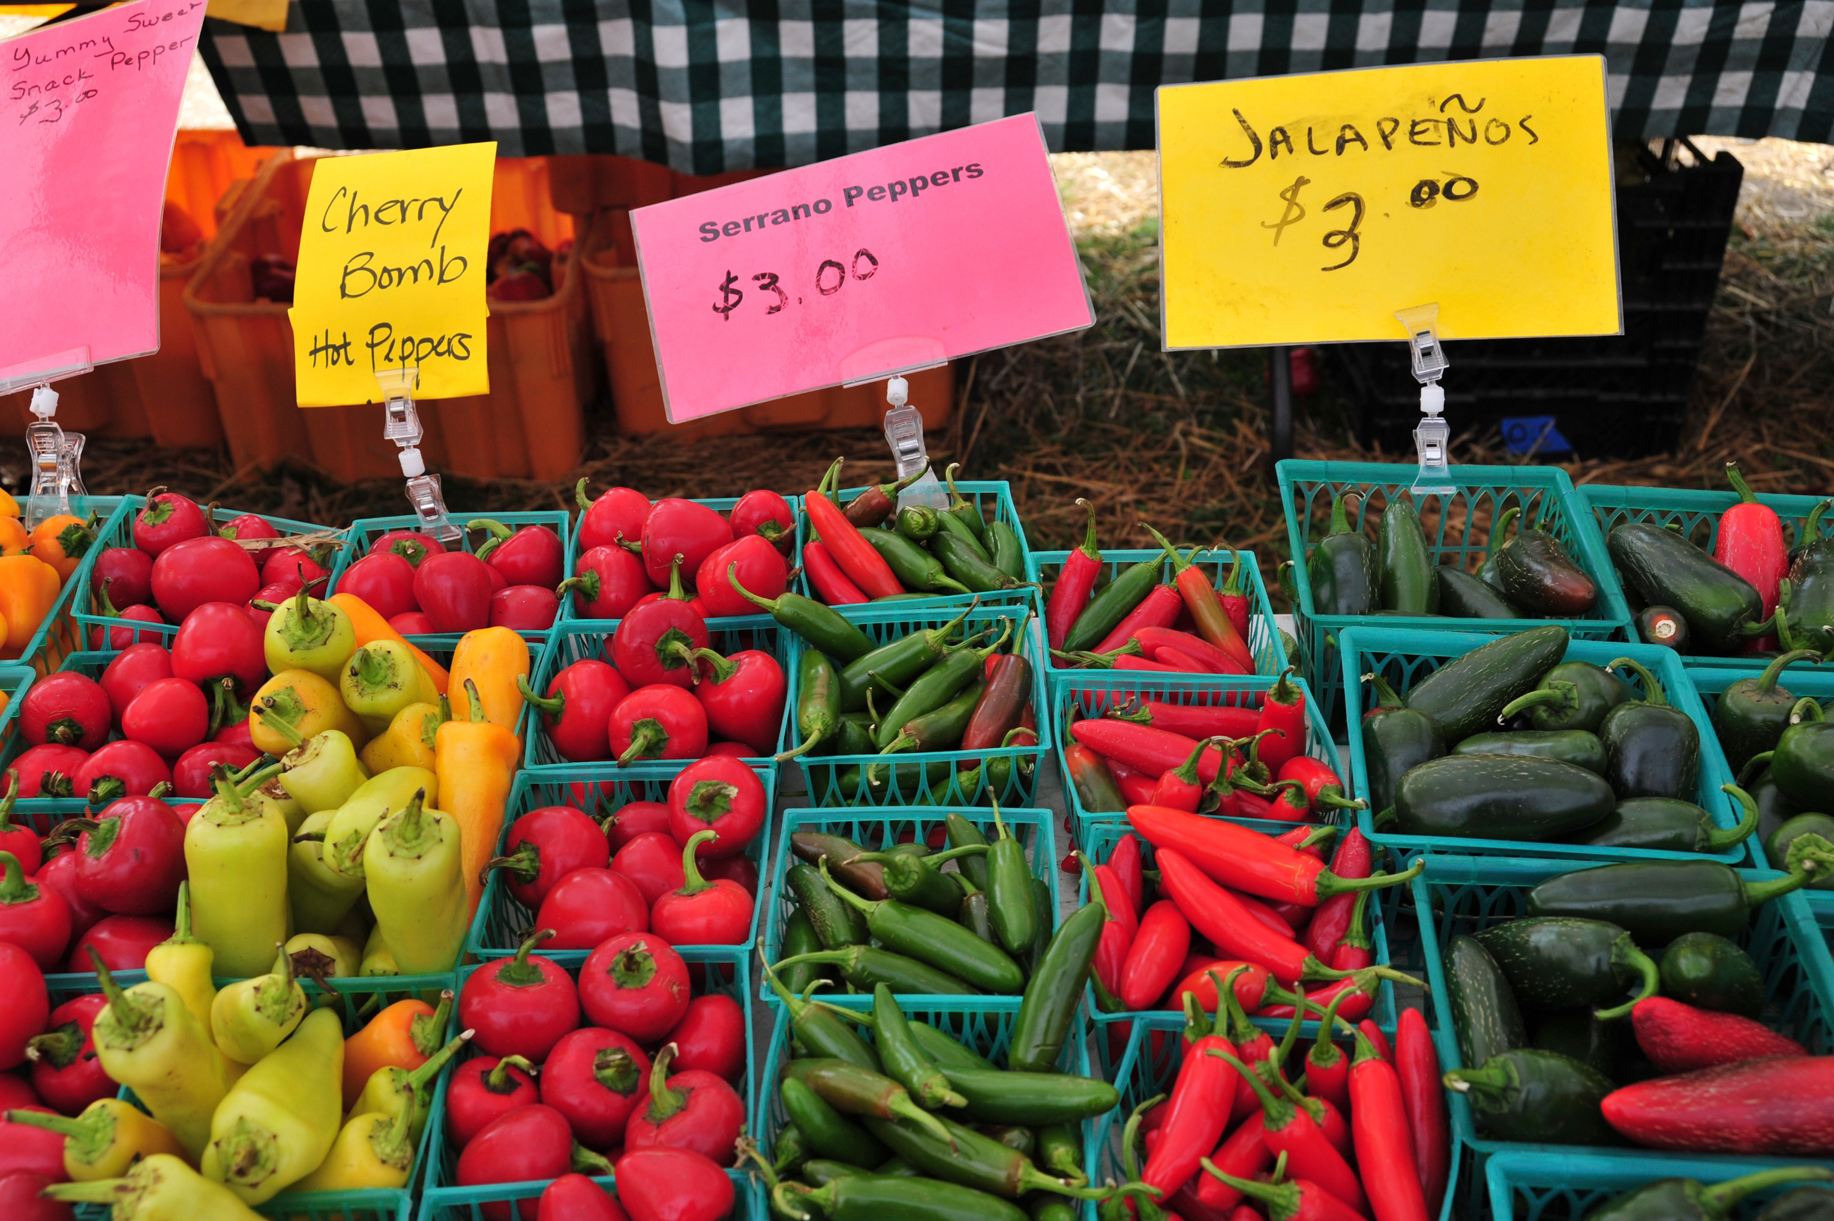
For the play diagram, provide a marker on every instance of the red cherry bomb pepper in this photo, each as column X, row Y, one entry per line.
column 521, row 1007
column 484, row 1088
column 1075, row 582
column 1248, row 861
column 655, row 641
column 577, row 708
column 1206, row 608
column 615, row 518
column 531, row 555
column 22, row 842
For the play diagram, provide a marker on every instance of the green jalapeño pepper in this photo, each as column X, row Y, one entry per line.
column 1003, row 545
column 1672, row 825
column 937, row 686
column 941, row 942
column 1803, row 762
column 968, row 564
column 905, row 1060
column 236, row 849
column 818, row 702
column 1692, row 1200
column 916, row 880
column 1710, row 972
column 1009, row 890
column 891, row 1198
column 963, row 1155
column 799, row 938
column 1055, row 989
column 1538, row 1096
column 1404, row 564
column 964, row 834
column 819, row 1028
column 1342, row 569
column 865, row 967
column 963, row 509
column 863, row 878
column 896, row 663
column 1651, row 750
column 914, row 567
column 1113, row 603
column 1499, row 538
column 1753, row 713
column 821, row 626
column 827, row 1132
column 917, row 522
column 853, row 1090
column 836, row 924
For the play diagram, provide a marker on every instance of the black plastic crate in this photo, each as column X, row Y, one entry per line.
column 1616, row 395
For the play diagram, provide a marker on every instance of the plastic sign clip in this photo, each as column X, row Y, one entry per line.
column 904, row 433
column 401, row 424
column 1432, row 435
column 57, row 459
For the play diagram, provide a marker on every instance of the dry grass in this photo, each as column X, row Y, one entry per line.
column 1179, row 439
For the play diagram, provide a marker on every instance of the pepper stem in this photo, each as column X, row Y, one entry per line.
column 554, row 705
column 1282, row 1199
column 664, row 1101
column 1626, row 953
column 1551, row 694
column 6, row 803
column 732, row 579
column 1810, row 856
column 722, row 668
column 579, row 494
column 1225, row 1000
column 1652, row 690
column 425, row 1029
column 1385, row 694
column 690, row 868
column 1329, row 883
column 790, row 1001
column 1767, row 681
column 1499, row 529
column 498, row 1080
column 1722, row 1196
column 13, row 887
column 1324, row 1052
column 1276, row 1112
column 1718, row 839
column 135, row 1015
column 1130, row 1161
column 849, row 897
column 1179, row 563
column 1739, row 485
column 1340, row 514
column 1090, row 547
column 517, row 973
column 281, row 727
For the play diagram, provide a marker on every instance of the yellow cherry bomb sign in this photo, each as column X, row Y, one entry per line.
column 1308, row 209
column 391, row 275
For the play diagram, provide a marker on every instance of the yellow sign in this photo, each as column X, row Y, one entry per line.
column 1308, row 209
column 391, row 275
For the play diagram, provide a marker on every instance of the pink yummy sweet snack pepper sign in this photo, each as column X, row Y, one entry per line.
column 868, row 265
column 88, row 109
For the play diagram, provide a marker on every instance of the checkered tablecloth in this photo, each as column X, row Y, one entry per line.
column 709, row 87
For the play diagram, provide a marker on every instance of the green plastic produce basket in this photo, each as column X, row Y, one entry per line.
column 994, row 498
column 1149, row 1067
column 119, row 532
column 15, row 681
column 590, row 639
column 1544, row 1187
column 1458, row 532
column 1263, row 635
column 600, row 790
column 987, row 1031
column 470, row 1203
column 1111, row 1028
column 925, row 777
column 1094, row 692
column 1468, row 894
column 710, row 972
column 879, row 831
column 1405, row 656
column 1695, row 514
column 61, row 634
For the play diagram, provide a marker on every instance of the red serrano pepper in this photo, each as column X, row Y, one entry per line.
column 1155, row 640
column 1192, row 720
column 1293, row 1129
column 1322, row 786
column 1179, row 788
column 1417, row 1064
column 1125, row 861
column 1384, row 1141
column 1248, row 860
column 1377, row 1039
column 1284, row 711
column 1244, row 1154
column 1159, row 947
column 1327, row 1068
column 1133, row 784
column 1230, row 926
column 1117, row 930
column 1234, row 597
column 1075, row 581
column 859, row 559
column 1356, row 950
column 1144, row 748
column 1158, row 609
column 1206, row 608
column 1195, row 1116
column 1351, row 860
column 830, row 583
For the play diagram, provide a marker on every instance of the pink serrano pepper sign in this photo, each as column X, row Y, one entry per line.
column 868, row 265
column 88, row 110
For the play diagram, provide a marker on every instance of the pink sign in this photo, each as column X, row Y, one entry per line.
column 88, row 110
column 857, row 268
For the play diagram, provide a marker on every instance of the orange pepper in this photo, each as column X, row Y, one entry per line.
column 371, row 627
column 403, row 1035
column 14, row 538
column 478, row 759
column 28, row 590
column 493, row 658
column 8, row 506
column 61, row 542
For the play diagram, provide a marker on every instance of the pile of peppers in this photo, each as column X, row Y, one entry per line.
column 1626, row 1005
column 34, row 565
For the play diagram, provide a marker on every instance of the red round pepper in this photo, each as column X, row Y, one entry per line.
column 524, row 608
column 21, row 1198
column 28, row 1004
column 1075, row 582
column 614, row 519
column 712, row 1036
column 124, row 575
column 22, row 842
column 606, row 583
column 68, row 708
column 574, row 1197
column 28, row 1149
column 453, row 589
column 32, row 917
column 635, row 983
column 123, row 768
column 576, row 711
column 658, row 721
column 743, row 695
column 721, row 794
column 681, row 528
column 546, row 845
column 702, row 912
column 216, row 641
column 690, row 1110
column 531, row 555
column 131, row 857
column 532, row 1143
column 167, row 518
column 483, row 1088
column 632, row 819
column 652, row 861
column 59, row 874
column 761, row 570
column 131, row 670
column 171, row 716
column 596, row 1078
column 410, row 545
column 831, row 585
column 66, row 1073
column 520, row 1007
column 589, row 905
column 766, row 514
column 384, row 582
column 665, row 1184
column 121, row 941
column 49, row 770
column 656, row 640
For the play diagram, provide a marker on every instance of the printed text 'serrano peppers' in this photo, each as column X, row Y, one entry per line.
column 1074, row 584
column 236, row 855
column 1206, row 608
column 476, row 763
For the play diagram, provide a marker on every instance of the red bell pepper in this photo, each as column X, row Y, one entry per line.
column 1293, row 1130
column 831, row 584
column 531, row 555
column 655, row 641
column 1234, row 597
column 1125, row 861
column 859, row 559
column 1178, row 789
column 1284, row 711
column 607, row 582
column 760, row 568
column 1249, row 861
column 1750, row 543
column 721, row 794
column 578, row 707
column 521, row 1007
column 1206, row 608
column 454, row 589
column 1192, row 720
column 1075, row 582
column 589, row 905
column 1159, row 609
column 1198, row 1110
column 483, row 1088
column 1143, row 747
column 1384, row 1141
column 1679, row 1038
column 1244, row 1154
column 1327, row 1068
column 131, row 857
column 1418, row 1065
column 1159, row 947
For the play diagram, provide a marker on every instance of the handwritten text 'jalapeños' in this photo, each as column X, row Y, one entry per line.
column 911, row 188
column 348, row 212
column 1464, row 126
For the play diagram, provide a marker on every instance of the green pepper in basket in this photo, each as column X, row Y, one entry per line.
column 1009, row 888
column 819, row 1028
column 937, row 686
column 1055, row 989
column 904, row 1058
column 938, row 941
column 826, row 1131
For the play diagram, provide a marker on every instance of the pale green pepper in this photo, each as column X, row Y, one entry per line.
column 289, row 807
column 322, row 771
column 376, row 957
column 306, row 634
column 380, row 679
column 321, row 956
column 161, row 1188
column 277, row 1123
column 391, row 1089
column 319, row 896
column 236, row 857
column 148, row 1041
column 374, row 800
column 415, row 874
column 252, row 1017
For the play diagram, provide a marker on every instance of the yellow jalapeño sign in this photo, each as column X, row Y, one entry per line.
column 391, row 274
column 1308, row 209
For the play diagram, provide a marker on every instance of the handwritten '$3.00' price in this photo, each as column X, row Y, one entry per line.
column 830, row 277
column 1425, row 194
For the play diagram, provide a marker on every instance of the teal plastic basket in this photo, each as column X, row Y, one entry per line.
column 1149, row 1067
column 879, row 831
column 119, row 532
column 1696, row 515
column 1464, row 894
column 502, row 924
column 988, row 1032
column 709, row 971
column 15, row 681
column 994, row 498
column 61, row 634
column 926, row 778
column 590, row 639
column 1099, row 844
column 1458, row 533
column 1405, row 656
column 522, row 1200
column 1094, row 692
column 1543, row 1187
column 366, row 530
column 1263, row 634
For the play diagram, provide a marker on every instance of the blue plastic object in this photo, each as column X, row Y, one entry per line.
column 1404, row 656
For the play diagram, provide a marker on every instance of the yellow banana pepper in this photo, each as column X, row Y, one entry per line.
column 408, row 740
column 374, row 800
column 236, row 856
column 252, row 1017
column 475, row 760
column 372, row 1150
column 411, row 866
column 320, row 772
column 320, row 956
column 376, row 958
column 104, row 1141
column 393, row 1091
column 490, row 659
column 28, row 590
column 182, row 963
column 161, row 1188
column 306, row 634
column 148, row 1041
column 319, row 896
column 380, row 679
column 277, row 1124
column 307, row 703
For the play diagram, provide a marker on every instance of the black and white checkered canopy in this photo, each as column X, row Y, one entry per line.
column 709, row 87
